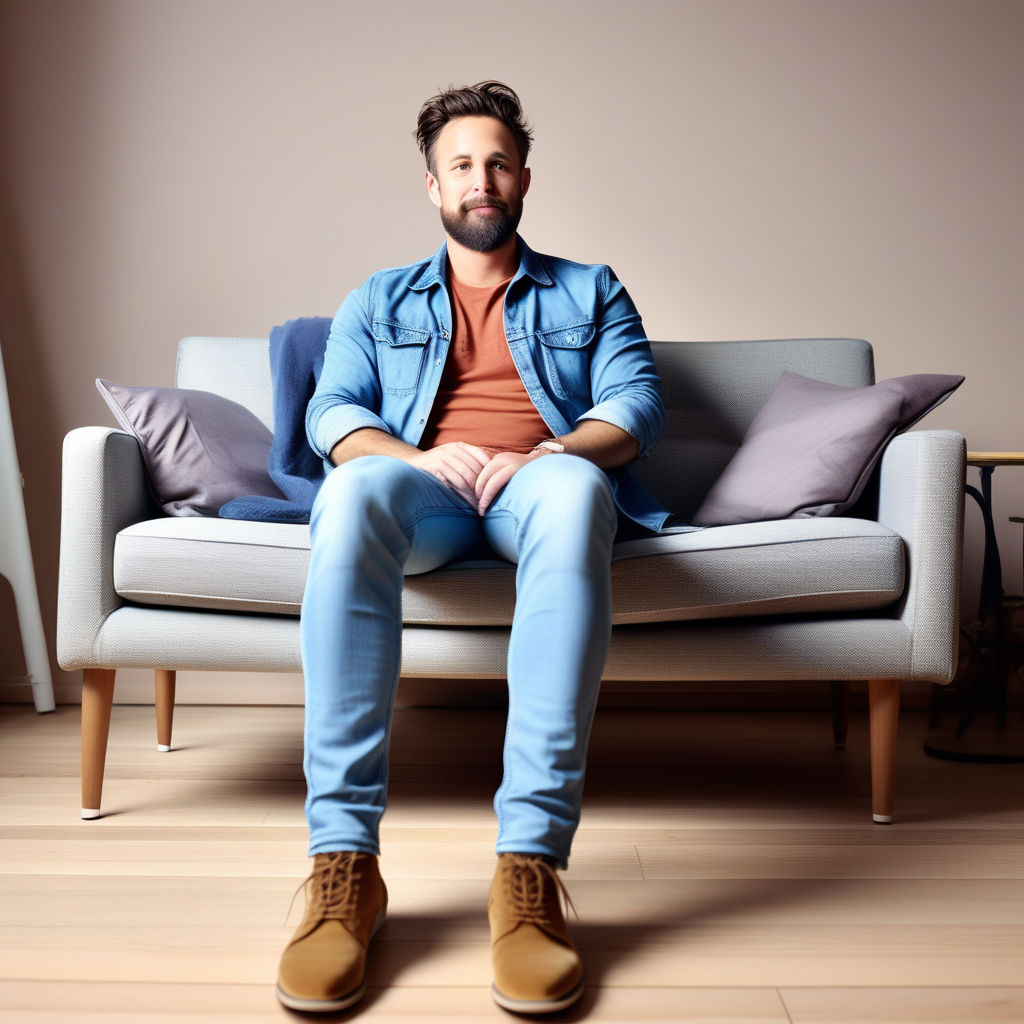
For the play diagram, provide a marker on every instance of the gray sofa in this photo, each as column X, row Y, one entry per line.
column 871, row 595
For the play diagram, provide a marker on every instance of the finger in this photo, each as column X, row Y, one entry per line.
column 471, row 456
column 478, row 453
column 484, row 475
column 496, row 465
column 457, row 488
column 468, row 457
column 459, row 481
column 493, row 486
column 464, row 464
column 467, row 461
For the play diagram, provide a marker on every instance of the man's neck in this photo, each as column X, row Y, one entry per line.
column 482, row 269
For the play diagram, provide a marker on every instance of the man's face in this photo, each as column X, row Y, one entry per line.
column 479, row 184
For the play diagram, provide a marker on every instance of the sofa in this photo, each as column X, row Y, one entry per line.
column 868, row 594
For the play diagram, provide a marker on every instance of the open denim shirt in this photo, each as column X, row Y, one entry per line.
column 575, row 337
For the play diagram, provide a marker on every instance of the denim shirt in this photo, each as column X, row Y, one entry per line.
column 574, row 334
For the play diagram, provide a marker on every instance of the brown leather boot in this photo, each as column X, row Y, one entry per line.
column 536, row 966
column 323, row 967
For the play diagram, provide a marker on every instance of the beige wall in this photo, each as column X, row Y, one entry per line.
column 751, row 168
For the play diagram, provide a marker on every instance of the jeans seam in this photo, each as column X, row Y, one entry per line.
column 409, row 525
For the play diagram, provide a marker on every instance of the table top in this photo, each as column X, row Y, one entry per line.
column 995, row 458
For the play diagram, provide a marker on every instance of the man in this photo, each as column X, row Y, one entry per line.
column 481, row 401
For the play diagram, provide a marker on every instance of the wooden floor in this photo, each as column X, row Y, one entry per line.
column 726, row 870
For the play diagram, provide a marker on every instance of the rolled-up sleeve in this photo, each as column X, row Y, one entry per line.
column 347, row 396
column 624, row 381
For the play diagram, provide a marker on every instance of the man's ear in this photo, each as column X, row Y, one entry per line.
column 433, row 190
column 524, row 181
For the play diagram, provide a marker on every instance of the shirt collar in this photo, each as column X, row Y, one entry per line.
column 435, row 272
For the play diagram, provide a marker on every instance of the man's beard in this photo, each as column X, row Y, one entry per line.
column 483, row 234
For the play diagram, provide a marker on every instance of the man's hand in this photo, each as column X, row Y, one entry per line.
column 458, row 465
column 497, row 473
column 604, row 444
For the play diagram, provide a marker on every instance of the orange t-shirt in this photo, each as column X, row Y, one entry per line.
column 481, row 398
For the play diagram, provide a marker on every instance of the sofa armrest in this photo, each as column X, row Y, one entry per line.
column 103, row 490
column 921, row 497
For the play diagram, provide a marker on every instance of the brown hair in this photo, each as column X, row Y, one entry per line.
column 485, row 99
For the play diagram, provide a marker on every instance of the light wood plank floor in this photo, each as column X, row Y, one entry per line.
column 726, row 870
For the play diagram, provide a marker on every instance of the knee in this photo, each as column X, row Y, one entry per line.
column 570, row 497
column 361, row 498
column 576, row 487
column 360, row 484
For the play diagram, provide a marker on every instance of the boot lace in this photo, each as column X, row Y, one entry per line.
column 333, row 886
column 528, row 879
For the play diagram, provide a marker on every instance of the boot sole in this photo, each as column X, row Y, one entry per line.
column 538, row 1005
column 320, row 1005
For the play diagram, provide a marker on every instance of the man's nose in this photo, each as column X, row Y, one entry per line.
column 484, row 181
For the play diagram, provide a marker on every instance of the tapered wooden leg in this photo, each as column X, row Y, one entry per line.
column 840, row 712
column 164, row 683
column 884, row 711
column 97, row 700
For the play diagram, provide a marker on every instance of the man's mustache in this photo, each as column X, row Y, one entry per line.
column 498, row 204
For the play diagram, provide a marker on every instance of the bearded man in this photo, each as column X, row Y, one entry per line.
column 483, row 402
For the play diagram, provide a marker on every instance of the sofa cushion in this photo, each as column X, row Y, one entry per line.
column 813, row 446
column 786, row 566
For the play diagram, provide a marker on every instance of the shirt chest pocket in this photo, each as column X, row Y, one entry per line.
column 401, row 353
column 566, row 354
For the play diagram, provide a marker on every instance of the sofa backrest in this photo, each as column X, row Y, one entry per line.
column 236, row 368
column 712, row 391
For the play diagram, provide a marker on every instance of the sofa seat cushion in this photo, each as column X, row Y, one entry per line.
column 780, row 567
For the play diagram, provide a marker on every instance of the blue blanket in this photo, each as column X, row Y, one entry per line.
column 296, row 359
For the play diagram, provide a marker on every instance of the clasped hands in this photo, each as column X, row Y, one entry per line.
column 473, row 474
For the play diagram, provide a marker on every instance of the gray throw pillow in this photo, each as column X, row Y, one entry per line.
column 812, row 447
column 200, row 450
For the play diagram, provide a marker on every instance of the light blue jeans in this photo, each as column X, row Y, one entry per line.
column 376, row 519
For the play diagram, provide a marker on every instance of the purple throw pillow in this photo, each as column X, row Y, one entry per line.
column 812, row 447
column 200, row 450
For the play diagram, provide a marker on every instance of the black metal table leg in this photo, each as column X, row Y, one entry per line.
column 988, row 687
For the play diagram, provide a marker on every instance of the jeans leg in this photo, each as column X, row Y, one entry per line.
column 374, row 520
column 557, row 520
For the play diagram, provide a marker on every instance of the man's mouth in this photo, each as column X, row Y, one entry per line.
column 487, row 206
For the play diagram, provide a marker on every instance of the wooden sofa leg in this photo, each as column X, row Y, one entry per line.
column 884, row 712
column 840, row 712
column 97, row 700
column 164, row 685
